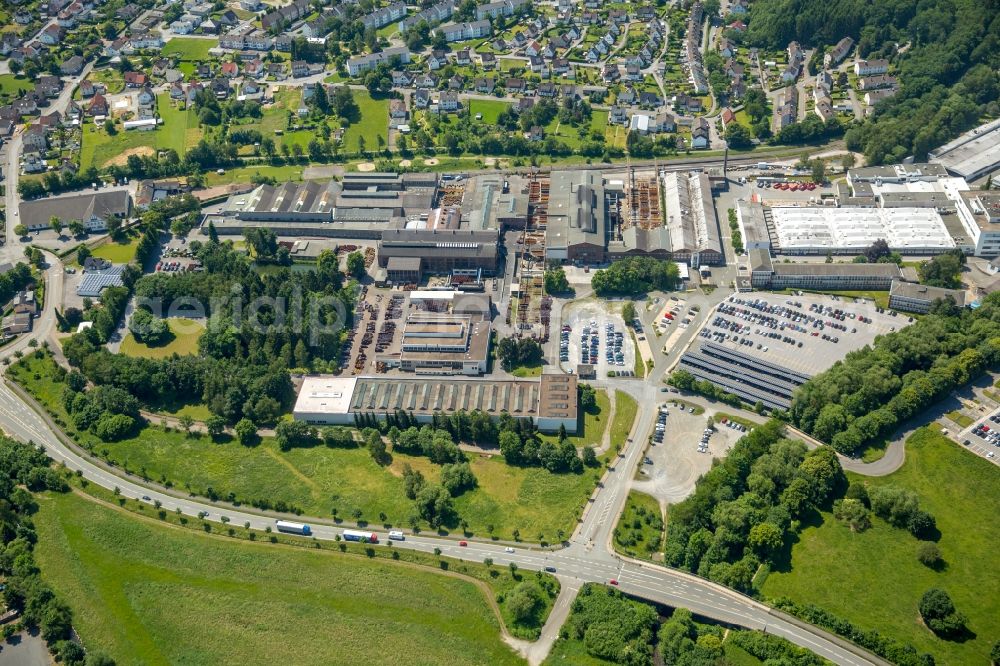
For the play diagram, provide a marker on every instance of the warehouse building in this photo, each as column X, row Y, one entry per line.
column 909, row 297
column 549, row 401
column 691, row 222
column 764, row 274
column 438, row 251
column 576, row 229
column 972, row 155
column 94, row 209
column 441, row 343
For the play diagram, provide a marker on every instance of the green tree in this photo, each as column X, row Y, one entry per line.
column 765, row 538
column 939, row 614
column 628, row 312
column 246, row 432
column 555, row 281
column 215, row 425
column 524, row 601
column 56, row 225
column 20, row 230
column 929, row 554
column 356, row 264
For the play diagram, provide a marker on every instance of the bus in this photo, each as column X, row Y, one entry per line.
column 358, row 535
column 292, row 528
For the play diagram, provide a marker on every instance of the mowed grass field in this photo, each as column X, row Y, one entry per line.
column 186, row 333
column 873, row 578
column 190, row 49
column 117, row 252
column 490, row 109
column 11, row 84
column 373, row 122
column 151, row 594
column 318, row 479
column 179, row 131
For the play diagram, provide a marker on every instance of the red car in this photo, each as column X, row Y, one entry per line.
column 613, row 581
column 463, row 543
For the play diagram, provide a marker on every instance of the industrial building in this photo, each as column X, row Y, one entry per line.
column 764, row 274
column 549, row 401
column 576, row 228
column 918, row 209
column 441, row 343
column 972, row 155
column 909, row 297
column 360, row 206
column 691, row 221
column 408, row 253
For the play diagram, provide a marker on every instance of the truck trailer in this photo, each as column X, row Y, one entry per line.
column 358, row 535
column 292, row 528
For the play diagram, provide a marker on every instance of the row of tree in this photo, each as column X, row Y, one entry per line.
column 868, row 394
column 636, row 275
column 24, row 470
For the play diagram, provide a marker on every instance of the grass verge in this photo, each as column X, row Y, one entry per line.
column 962, row 492
column 639, row 532
column 184, row 340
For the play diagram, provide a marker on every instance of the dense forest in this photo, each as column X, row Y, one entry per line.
column 874, row 389
column 945, row 53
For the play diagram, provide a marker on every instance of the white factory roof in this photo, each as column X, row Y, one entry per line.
column 325, row 395
column 975, row 153
column 821, row 227
column 433, row 295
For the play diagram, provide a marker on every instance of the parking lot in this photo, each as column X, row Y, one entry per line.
column 806, row 333
column 592, row 335
column 681, row 451
column 984, row 438
column 177, row 257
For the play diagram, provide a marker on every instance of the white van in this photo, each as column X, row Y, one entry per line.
column 397, row 535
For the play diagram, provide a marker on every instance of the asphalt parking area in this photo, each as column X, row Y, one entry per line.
column 597, row 337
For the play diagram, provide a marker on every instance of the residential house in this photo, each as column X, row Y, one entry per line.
column 536, row 64
column 514, row 85
column 426, row 81
column 436, row 60
column 462, row 58
column 824, row 110
column 254, row 68
column 870, row 67
column 536, row 133
column 230, row 70
column 727, row 48
column 98, row 106
column 560, row 65
column 700, row 134
column 51, row 36
column 276, row 70
column 533, row 49
column 627, row 96
column 49, row 86
column 633, row 73
column 547, row 90
column 251, row 5
column 398, row 115
column 836, row 54
column 524, row 104
column 71, row 66
column 618, row 115
column 485, row 85
column 448, row 102
column 456, row 82
column 487, row 61
column 649, row 100
column 86, row 88
column 401, row 78
column 176, row 90
column 300, row 68
column 228, row 19
column 134, row 79
column 36, row 139
column 610, row 73
column 873, row 97
column 384, row 16
column 221, row 88
column 421, row 98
